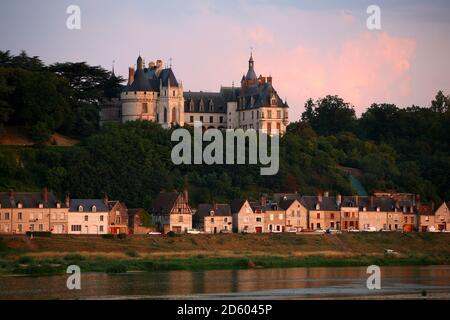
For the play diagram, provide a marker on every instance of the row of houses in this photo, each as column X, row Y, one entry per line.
column 44, row 212
column 170, row 211
column 295, row 213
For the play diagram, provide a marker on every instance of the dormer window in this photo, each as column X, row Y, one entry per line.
column 202, row 106
column 211, row 106
column 378, row 209
column 94, row 209
column 191, row 105
column 41, row 205
column 58, row 205
column 211, row 213
column 318, row 206
column 80, row 209
column 20, row 205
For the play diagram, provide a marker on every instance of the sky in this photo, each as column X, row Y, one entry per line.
column 311, row 48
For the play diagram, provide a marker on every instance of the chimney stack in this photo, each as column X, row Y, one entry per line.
column 186, row 195
column 371, row 201
column 263, row 201
column 339, row 199
column 45, row 195
column 418, row 201
column 67, row 201
column 11, row 193
column 357, row 201
column 130, row 75
column 319, row 196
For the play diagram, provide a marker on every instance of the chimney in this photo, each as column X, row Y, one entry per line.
column 67, row 201
column 186, row 195
column 371, row 201
column 339, row 199
column 319, row 196
column 130, row 75
column 263, row 201
column 45, row 195
column 105, row 199
column 11, row 194
column 357, row 201
column 418, row 201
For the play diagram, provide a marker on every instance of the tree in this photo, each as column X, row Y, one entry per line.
column 329, row 115
column 441, row 103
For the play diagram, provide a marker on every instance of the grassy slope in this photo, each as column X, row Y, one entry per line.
column 43, row 255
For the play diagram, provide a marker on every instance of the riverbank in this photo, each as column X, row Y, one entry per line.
column 45, row 256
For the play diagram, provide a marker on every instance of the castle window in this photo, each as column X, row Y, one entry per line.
column 174, row 93
column 211, row 119
column 221, row 119
column 94, row 209
column 211, row 106
column 145, row 108
column 80, row 209
column 202, row 106
column 262, row 114
column 192, row 119
column 201, row 119
column 174, row 115
column 278, row 114
column 191, row 106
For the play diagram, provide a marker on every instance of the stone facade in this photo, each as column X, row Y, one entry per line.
column 154, row 94
column 171, row 212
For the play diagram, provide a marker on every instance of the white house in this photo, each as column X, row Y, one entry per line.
column 88, row 216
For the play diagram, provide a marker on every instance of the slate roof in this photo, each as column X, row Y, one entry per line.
column 426, row 210
column 237, row 205
column 285, row 204
column 149, row 80
column 29, row 200
column 327, row 204
column 164, row 202
column 87, row 205
column 192, row 102
column 204, row 210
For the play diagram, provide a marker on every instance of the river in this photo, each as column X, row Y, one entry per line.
column 295, row 283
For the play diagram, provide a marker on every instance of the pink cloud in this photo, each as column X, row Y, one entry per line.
column 371, row 67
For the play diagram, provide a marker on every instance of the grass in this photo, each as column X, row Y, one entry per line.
column 43, row 256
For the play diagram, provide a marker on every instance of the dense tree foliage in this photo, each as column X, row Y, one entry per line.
column 64, row 97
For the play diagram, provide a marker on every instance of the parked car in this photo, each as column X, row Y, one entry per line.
column 320, row 230
column 194, row 231
column 154, row 233
column 292, row 230
column 370, row 229
column 225, row 231
column 353, row 230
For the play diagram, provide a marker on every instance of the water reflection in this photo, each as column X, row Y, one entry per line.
column 260, row 283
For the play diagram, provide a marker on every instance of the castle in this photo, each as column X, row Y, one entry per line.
column 153, row 93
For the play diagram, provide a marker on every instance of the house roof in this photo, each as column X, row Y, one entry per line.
column 88, row 204
column 205, row 209
column 426, row 210
column 237, row 204
column 165, row 201
column 285, row 204
column 213, row 102
column 327, row 203
column 29, row 200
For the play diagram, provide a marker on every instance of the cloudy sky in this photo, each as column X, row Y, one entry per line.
column 311, row 48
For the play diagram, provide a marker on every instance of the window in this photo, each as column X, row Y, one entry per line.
column 332, row 216
column 58, row 205
column 19, row 216
column 80, row 209
column 293, row 213
column 278, row 114
column 118, row 220
column 174, row 115
column 145, row 108
column 20, row 227
column 6, row 215
column 318, row 226
column 221, row 119
column 94, row 209
column 76, row 228
column 86, row 218
column 212, row 220
column 101, row 218
column 269, row 114
column 192, row 119
column 32, row 227
column 318, row 216
column 41, row 205
column 225, row 220
column 211, row 119
column 406, row 219
column 332, row 225
column 41, row 227
column 173, row 93
column 201, row 119
column 258, row 220
column 180, row 219
column 101, row 229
